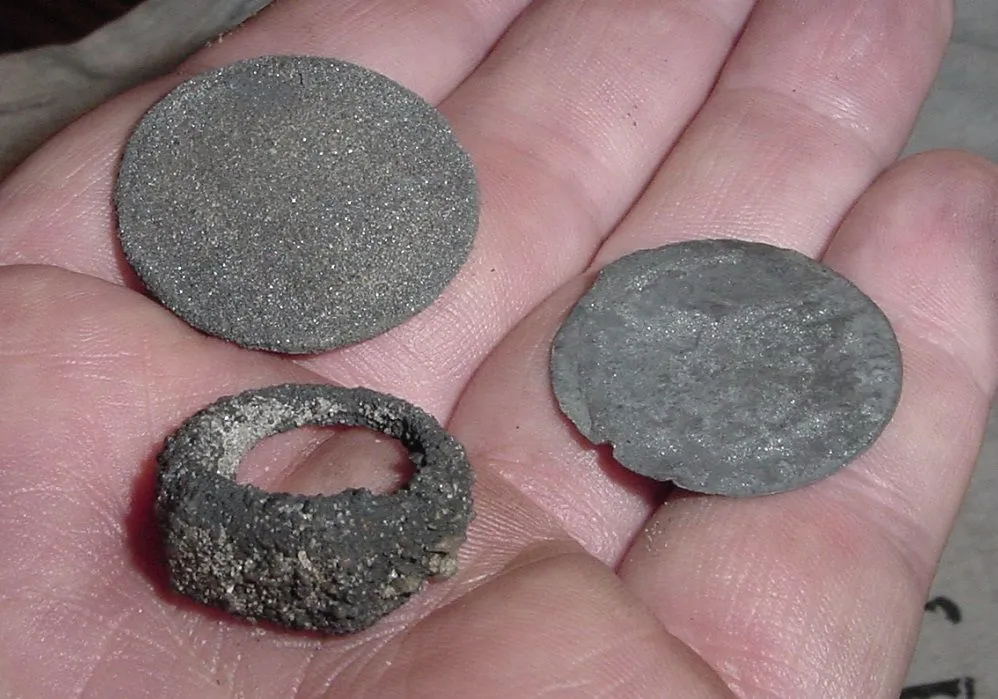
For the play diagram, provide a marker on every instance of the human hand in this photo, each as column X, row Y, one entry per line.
column 597, row 129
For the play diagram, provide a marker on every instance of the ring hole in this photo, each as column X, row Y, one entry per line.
column 327, row 460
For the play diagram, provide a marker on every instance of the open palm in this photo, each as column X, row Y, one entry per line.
column 597, row 127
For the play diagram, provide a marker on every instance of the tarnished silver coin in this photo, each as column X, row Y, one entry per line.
column 727, row 367
column 295, row 203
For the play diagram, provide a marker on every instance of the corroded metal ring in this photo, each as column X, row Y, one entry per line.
column 332, row 563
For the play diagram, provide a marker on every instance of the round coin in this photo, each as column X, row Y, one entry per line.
column 727, row 367
column 331, row 563
column 295, row 204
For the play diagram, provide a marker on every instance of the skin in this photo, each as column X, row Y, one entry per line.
column 597, row 128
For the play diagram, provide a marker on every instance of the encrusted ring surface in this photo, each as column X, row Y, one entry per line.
column 333, row 563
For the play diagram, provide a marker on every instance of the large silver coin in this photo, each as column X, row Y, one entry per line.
column 294, row 203
column 727, row 367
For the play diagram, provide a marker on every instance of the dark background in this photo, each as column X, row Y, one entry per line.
column 28, row 23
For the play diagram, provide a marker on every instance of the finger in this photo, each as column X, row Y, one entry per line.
column 56, row 208
column 816, row 99
column 570, row 115
column 513, row 430
column 555, row 624
column 819, row 592
column 567, row 119
column 428, row 46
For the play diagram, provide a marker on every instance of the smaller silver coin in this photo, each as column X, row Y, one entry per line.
column 295, row 204
column 330, row 563
column 727, row 367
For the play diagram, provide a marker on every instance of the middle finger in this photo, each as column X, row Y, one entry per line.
column 815, row 101
column 567, row 119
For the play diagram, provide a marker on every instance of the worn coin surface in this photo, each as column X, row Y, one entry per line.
column 727, row 367
column 295, row 204
column 331, row 563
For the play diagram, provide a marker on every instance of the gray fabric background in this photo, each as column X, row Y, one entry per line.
column 42, row 90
